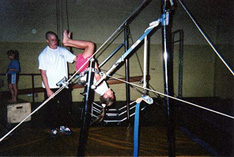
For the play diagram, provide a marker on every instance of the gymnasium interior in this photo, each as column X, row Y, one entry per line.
column 169, row 63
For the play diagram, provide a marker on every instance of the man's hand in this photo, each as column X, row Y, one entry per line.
column 49, row 92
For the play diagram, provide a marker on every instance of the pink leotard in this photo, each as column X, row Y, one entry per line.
column 80, row 61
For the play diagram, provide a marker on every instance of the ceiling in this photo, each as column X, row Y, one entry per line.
column 28, row 20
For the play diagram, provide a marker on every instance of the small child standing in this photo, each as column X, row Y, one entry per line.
column 12, row 74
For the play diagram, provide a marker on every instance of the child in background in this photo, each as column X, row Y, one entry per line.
column 12, row 74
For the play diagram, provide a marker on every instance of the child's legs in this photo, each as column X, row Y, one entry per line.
column 12, row 81
column 15, row 91
column 11, row 90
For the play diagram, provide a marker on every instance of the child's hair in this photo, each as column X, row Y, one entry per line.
column 13, row 52
column 108, row 101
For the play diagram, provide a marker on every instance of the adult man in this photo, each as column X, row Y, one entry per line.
column 53, row 67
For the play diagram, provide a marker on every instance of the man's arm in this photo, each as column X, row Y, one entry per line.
column 45, row 82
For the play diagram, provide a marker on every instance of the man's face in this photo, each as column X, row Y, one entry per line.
column 52, row 41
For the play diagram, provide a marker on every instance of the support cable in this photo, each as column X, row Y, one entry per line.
column 47, row 100
column 74, row 76
column 152, row 25
column 206, row 38
column 184, row 101
column 114, row 34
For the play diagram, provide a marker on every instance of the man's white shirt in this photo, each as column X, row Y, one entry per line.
column 54, row 62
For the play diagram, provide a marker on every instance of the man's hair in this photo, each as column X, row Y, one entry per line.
column 108, row 101
column 50, row 33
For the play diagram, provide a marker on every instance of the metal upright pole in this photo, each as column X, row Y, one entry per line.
column 168, row 71
column 126, row 46
column 146, row 65
column 88, row 100
column 181, row 49
column 33, row 89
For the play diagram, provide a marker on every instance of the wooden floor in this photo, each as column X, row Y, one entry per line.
column 102, row 141
column 33, row 137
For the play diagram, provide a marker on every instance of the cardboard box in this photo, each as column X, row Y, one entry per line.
column 17, row 112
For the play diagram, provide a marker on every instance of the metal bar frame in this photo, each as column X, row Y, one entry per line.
column 86, row 114
column 180, row 59
column 128, row 52
column 127, row 70
column 168, row 72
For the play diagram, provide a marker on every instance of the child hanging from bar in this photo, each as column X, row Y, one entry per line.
column 106, row 94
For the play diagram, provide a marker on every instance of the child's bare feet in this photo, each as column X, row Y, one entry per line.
column 66, row 37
